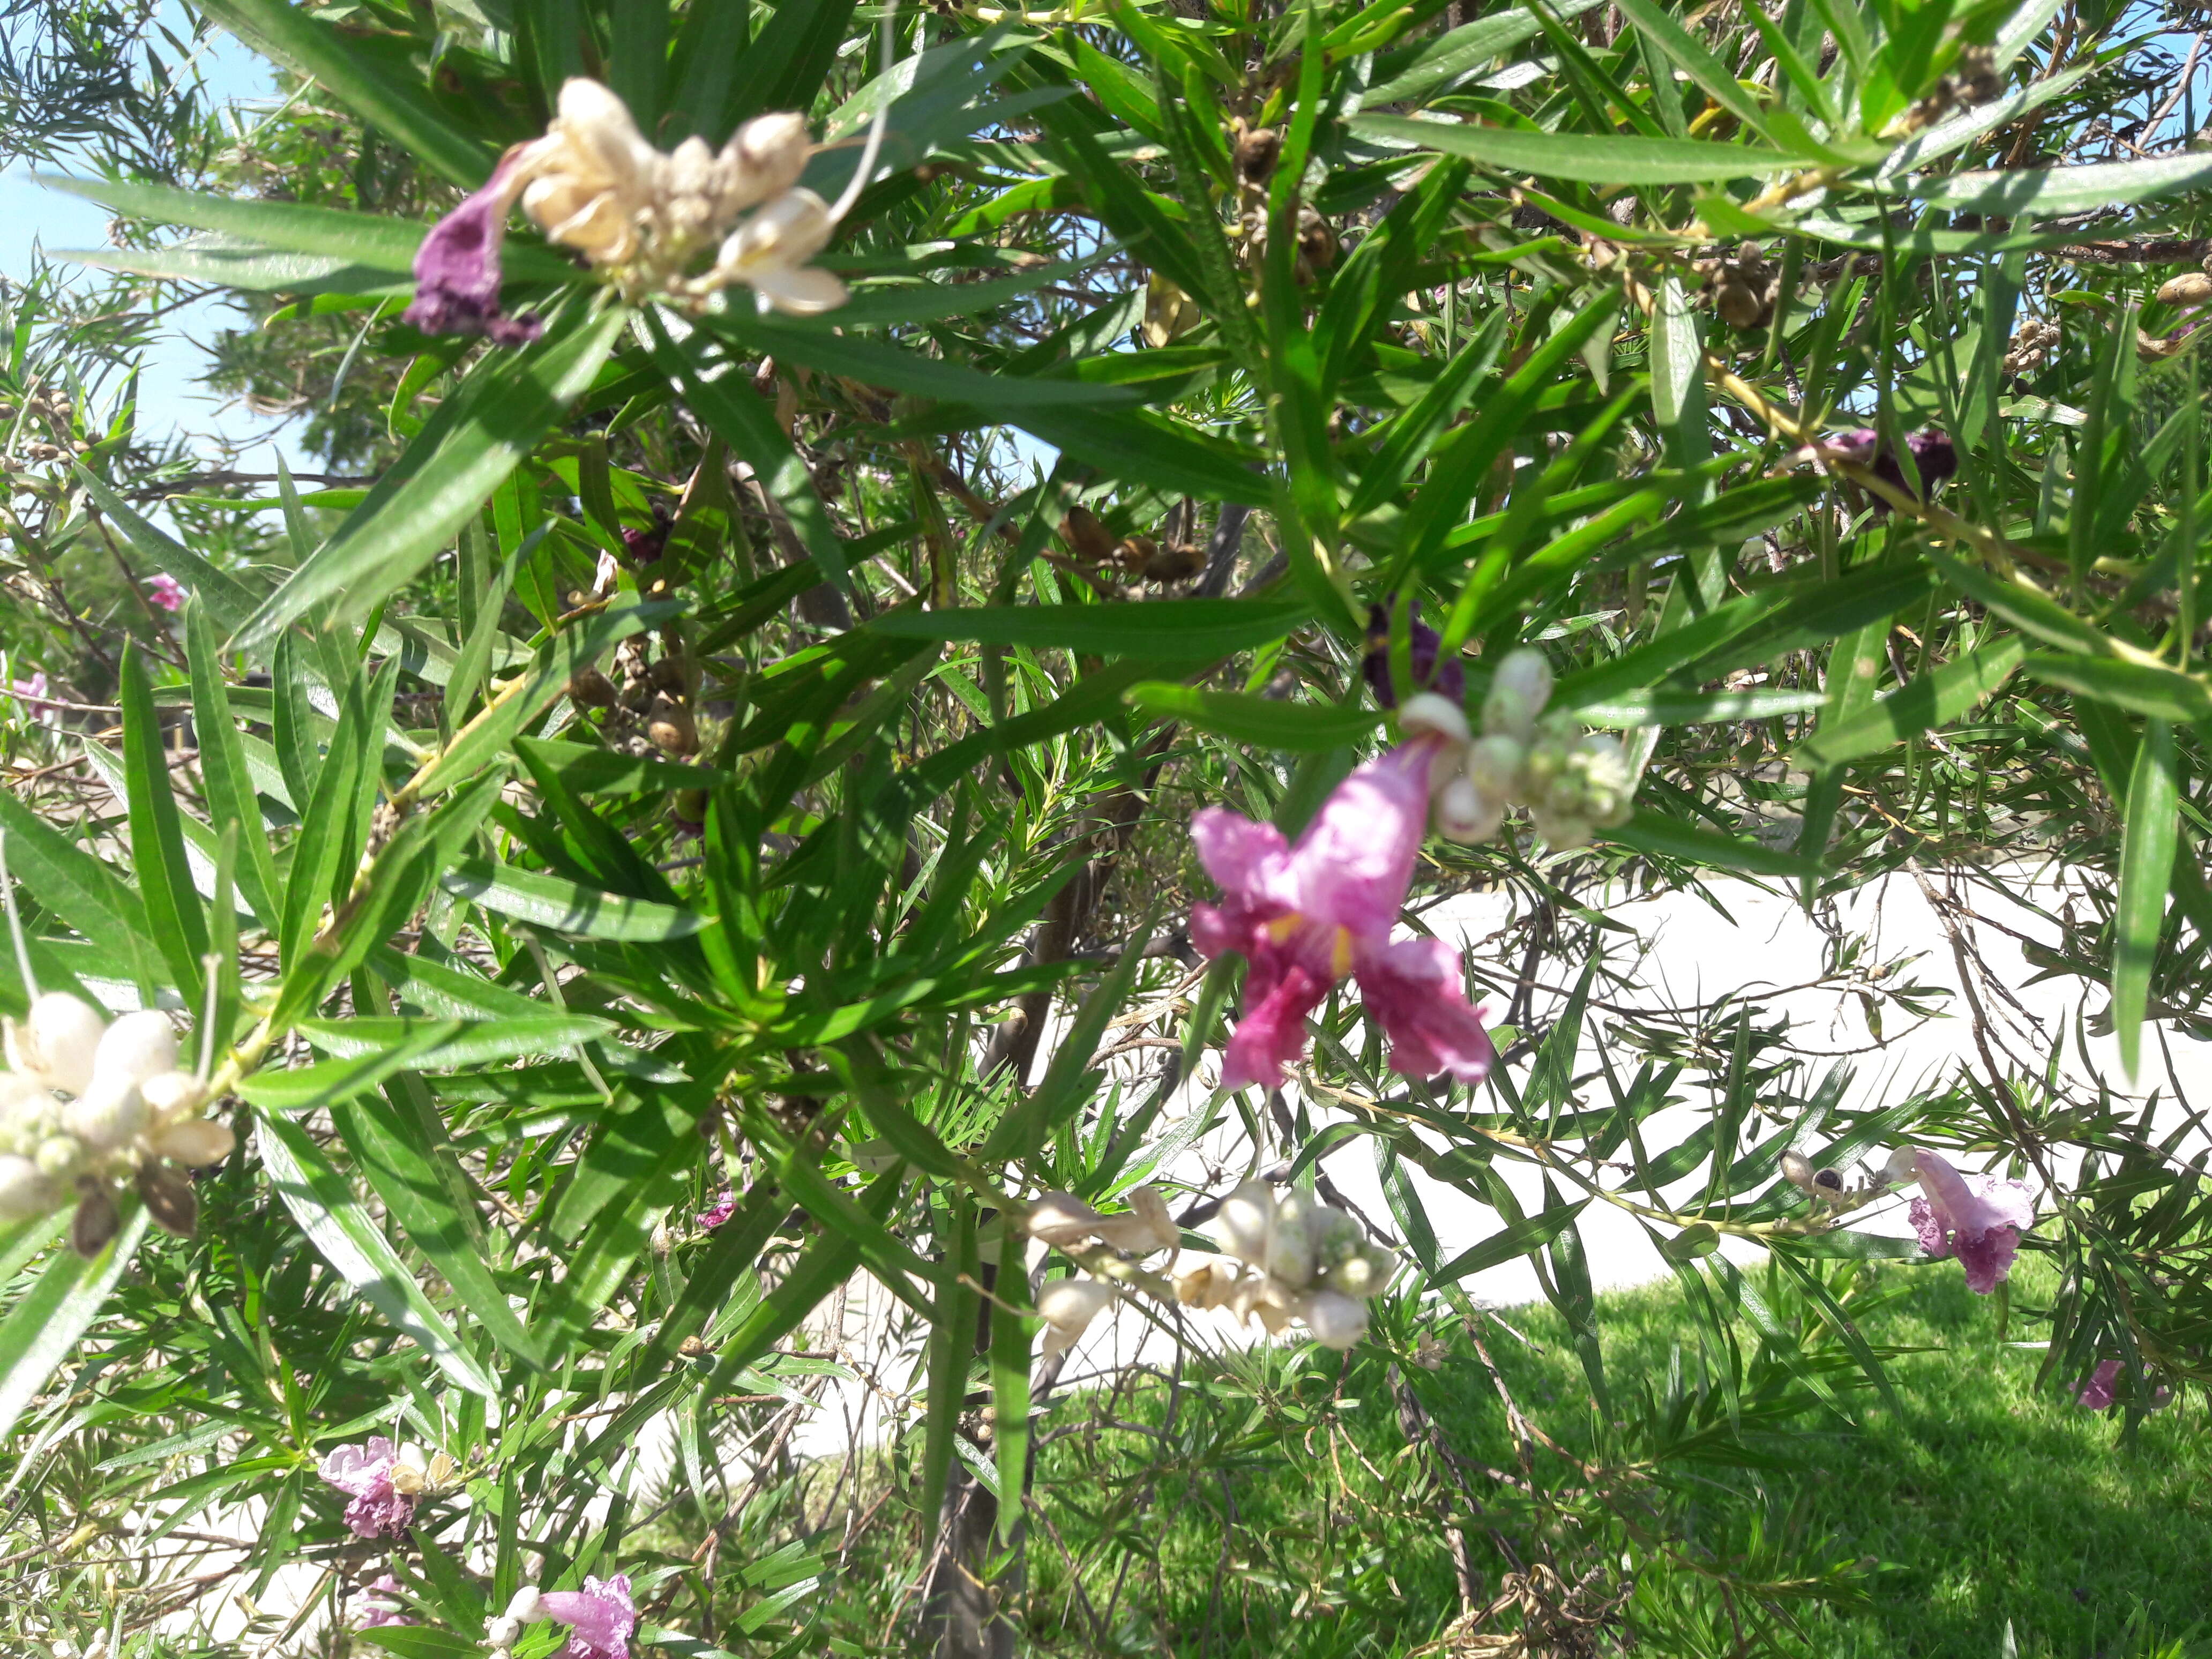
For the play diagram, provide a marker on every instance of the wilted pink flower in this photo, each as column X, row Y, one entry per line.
column 376, row 1612
column 166, row 591
column 600, row 1618
column 1934, row 457
column 2097, row 1393
column 1304, row 917
column 1975, row 1219
column 457, row 275
column 1448, row 679
column 363, row 1473
column 32, row 693
column 726, row 1205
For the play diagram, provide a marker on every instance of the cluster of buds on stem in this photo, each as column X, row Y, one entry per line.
column 649, row 709
column 1300, row 1260
column 2033, row 343
column 1741, row 287
column 1573, row 783
column 88, row 1105
column 644, row 218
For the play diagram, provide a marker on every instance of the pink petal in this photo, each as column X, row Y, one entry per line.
column 1272, row 1034
column 601, row 1617
column 1353, row 866
column 1987, row 1258
column 2097, row 1394
column 1248, row 861
column 1922, row 1215
column 1413, row 988
column 457, row 275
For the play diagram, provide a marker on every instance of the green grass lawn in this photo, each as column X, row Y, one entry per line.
column 1986, row 1503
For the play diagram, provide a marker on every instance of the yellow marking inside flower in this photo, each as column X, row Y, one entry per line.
column 1339, row 959
column 1282, row 929
column 1278, row 930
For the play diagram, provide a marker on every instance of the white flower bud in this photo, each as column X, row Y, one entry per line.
column 1209, row 1287
column 195, row 1143
column 1359, row 1276
column 1291, row 1251
column 172, row 1095
column 55, row 1043
column 1246, row 1221
column 137, row 1047
column 1336, row 1321
column 58, row 1156
column 1493, row 767
column 24, row 1193
column 500, row 1633
column 528, row 1605
column 1797, row 1170
column 1426, row 712
column 1465, row 814
column 1518, row 692
column 106, row 1116
column 1903, row 1167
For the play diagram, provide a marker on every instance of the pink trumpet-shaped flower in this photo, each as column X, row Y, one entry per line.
column 600, row 1618
column 1977, row 1219
column 2097, row 1394
column 1306, row 915
column 363, row 1473
column 457, row 275
column 166, row 591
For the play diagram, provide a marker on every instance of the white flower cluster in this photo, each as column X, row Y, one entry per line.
column 592, row 183
column 1312, row 1263
column 87, row 1103
column 1573, row 784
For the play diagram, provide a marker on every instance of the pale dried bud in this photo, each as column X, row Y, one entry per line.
column 1903, row 1167
column 763, row 158
column 95, row 1222
column 1061, row 1221
column 1518, row 692
column 1067, row 1306
column 1205, row 1287
column 768, row 254
column 1147, row 1227
column 1797, row 1170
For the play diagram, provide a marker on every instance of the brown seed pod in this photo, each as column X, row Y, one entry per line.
column 669, row 674
column 2189, row 289
column 1736, row 305
column 1258, row 149
column 1317, row 243
column 668, row 724
column 95, row 1221
column 169, row 1199
column 1136, row 553
column 1173, row 563
column 590, row 688
column 1085, row 537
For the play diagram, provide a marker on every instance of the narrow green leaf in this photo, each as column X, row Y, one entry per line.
column 1296, row 728
column 1580, row 156
column 229, row 784
column 157, row 838
column 565, row 906
column 1654, row 833
column 1166, row 627
column 2148, row 837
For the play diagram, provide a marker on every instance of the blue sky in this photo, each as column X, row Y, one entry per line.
column 32, row 217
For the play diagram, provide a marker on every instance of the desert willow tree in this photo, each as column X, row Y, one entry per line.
column 923, row 590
